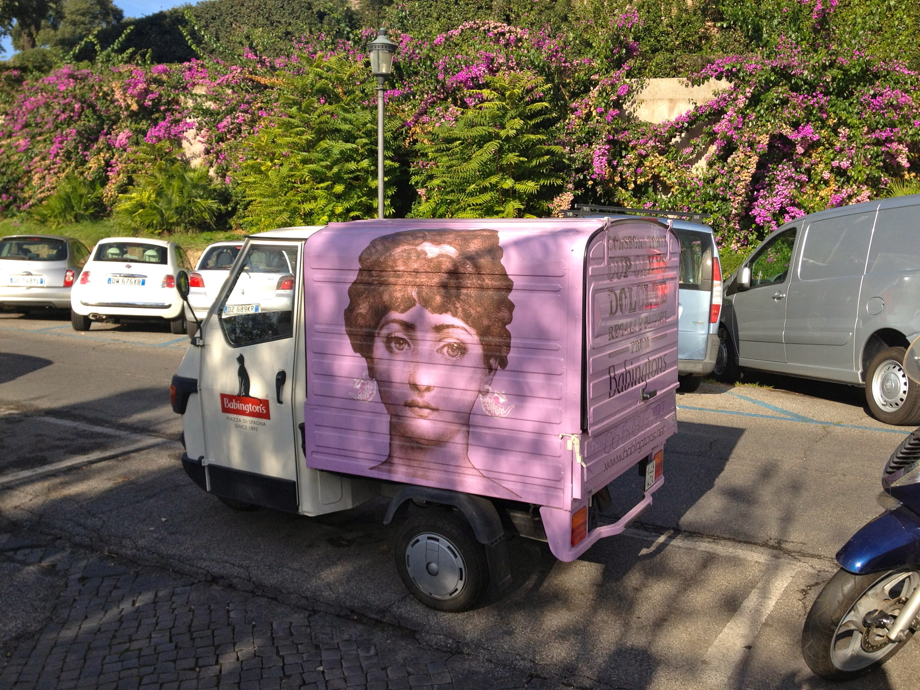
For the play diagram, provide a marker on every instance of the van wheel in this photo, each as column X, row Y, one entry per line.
column 726, row 368
column 892, row 397
column 440, row 561
column 688, row 383
column 79, row 322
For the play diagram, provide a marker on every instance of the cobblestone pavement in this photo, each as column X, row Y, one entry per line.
column 74, row 619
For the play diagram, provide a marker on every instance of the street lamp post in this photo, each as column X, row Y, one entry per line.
column 381, row 51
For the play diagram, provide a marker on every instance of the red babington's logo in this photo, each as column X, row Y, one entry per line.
column 244, row 405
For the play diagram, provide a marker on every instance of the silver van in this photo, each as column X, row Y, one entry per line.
column 699, row 293
column 833, row 296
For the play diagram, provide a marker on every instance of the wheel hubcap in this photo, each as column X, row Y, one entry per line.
column 436, row 566
column 889, row 386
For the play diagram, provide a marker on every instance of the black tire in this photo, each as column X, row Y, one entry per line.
column 726, row 368
column 892, row 397
column 191, row 328
column 80, row 322
column 178, row 325
column 688, row 383
column 835, row 643
column 237, row 505
column 440, row 561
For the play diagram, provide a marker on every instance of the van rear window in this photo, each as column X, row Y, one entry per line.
column 695, row 253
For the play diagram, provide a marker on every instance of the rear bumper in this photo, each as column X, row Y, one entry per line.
column 701, row 367
column 57, row 298
column 161, row 310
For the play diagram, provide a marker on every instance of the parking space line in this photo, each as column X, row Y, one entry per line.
column 85, row 459
column 726, row 654
column 173, row 342
column 793, row 415
column 797, row 419
column 84, row 336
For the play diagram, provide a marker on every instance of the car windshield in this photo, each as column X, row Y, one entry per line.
column 218, row 258
column 130, row 251
column 33, row 249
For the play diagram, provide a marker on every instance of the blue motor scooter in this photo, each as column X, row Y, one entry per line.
column 869, row 608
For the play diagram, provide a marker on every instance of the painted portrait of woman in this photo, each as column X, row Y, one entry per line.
column 429, row 312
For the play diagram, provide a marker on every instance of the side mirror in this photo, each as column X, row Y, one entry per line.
column 182, row 285
column 912, row 361
column 744, row 278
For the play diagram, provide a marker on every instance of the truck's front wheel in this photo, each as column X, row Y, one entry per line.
column 440, row 561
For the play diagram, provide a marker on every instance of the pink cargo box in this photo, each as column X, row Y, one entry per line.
column 528, row 361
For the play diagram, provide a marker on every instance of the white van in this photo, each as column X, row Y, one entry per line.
column 488, row 377
column 834, row 296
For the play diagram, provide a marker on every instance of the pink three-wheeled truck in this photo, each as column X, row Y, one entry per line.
column 490, row 378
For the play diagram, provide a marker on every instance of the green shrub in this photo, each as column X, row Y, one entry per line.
column 171, row 197
column 75, row 200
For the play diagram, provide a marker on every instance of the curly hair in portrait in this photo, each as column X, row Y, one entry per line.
column 444, row 271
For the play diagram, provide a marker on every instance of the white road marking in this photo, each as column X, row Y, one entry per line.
column 141, row 442
column 83, row 460
column 727, row 653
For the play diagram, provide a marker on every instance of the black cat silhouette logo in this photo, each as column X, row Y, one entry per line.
column 243, row 403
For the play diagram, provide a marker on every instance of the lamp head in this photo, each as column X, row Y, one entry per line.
column 381, row 51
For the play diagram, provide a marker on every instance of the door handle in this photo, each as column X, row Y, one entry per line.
column 778, row 296
column 280, row 378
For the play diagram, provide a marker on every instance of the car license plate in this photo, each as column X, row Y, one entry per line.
column 118, row 280
column 237, row 309
column 18, row 281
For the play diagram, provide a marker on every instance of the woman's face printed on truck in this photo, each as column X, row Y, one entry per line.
column 429, row 312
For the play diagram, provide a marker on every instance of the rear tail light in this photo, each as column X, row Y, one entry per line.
column 659, row 464
column 716, row 292
column 579, row 525
column 84, row 278
column 169, row 282
column 285, row 283
column 195, row 280
column 172, row 396
column 69, row 275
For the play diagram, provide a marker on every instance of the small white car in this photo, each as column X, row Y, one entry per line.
column 38, row 271
column 130, row 279
column 207, row 279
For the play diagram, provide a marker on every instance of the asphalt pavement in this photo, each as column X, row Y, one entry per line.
column 117, row 572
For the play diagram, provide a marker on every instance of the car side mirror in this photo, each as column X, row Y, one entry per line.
column 744, row 278
column 182, row 285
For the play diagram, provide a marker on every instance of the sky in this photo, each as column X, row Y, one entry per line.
column 131, row 8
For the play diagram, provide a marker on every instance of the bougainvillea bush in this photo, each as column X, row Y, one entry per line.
column 536, row 119
column 793, row 134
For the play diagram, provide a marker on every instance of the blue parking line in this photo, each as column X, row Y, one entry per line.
column 44, row 330
column 793, row 415
column 797, row 418
column 173, row 342
column 122, row 342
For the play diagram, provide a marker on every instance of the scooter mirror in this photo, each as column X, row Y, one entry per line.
column 182, row 285
column 912, row 361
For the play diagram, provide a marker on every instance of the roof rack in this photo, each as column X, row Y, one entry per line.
column 592, row 208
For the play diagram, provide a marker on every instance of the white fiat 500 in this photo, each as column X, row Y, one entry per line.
column 130, row 279
column 207, row 279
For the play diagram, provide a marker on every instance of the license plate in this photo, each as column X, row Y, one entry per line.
column 116, row 280
column 237, row 309
column 17, row 281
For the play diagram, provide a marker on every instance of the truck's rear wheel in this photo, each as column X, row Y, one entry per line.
column 892, row 397
column 440, row 561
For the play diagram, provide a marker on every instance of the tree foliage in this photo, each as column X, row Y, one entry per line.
column 316, row 161
column 492, row 158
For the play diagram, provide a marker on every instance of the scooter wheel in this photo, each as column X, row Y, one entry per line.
column 837, row 643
